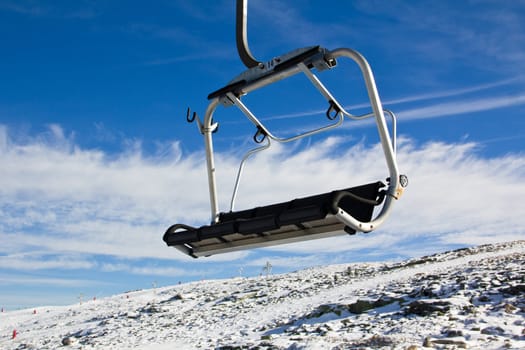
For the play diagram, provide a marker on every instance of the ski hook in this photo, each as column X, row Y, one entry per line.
column 190, row 117
column 332, row 111
column 260, row 135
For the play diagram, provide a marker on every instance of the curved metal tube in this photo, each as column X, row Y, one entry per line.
column 394, row 188
column 256, row 121
column 394, row 129
column 241, row 168
column 241, row 35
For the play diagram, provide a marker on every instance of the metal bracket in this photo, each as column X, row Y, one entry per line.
column 190, row 118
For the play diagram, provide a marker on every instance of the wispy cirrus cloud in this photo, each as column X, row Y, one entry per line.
column 456, row 92
column 79, row 10
column 45, row 261
column 284, row 26
column 484, row 34
column 446, row 109
column 194, row 46
column 150, row 270
column 56, row 282
column 21, row 8
column 456, row 104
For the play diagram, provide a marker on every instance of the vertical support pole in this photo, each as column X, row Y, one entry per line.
column 207, row 130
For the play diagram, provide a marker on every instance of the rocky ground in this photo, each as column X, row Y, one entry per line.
column 465, row 299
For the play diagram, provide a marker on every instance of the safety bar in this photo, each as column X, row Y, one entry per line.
column 284, row 67
column 241, row 167
column 270, row 136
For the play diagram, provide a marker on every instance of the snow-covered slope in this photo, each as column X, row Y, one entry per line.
column 469, row 298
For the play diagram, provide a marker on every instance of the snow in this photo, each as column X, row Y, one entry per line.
column 471, row 298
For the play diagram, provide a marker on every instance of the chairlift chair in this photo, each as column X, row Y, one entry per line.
column 347, row 210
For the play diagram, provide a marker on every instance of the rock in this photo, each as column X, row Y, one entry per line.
column 176, row 297
column 67, row 341
column 25, row 346
column 361, row 306
column 514, row 290
column 148, row 309
column 374, row 342
column 495, row 283
column 453, row 333
column 427, row 343
column 324, row 309
column 493, row 331
column 484, row 298
column 422, row 308
column 509, row 308
column 457, row 343
column 132, row 315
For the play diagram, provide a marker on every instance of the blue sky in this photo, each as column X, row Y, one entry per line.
column 97, row 160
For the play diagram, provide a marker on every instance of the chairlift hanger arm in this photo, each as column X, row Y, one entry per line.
column 241, row 31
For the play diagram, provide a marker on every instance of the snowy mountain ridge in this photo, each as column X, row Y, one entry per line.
column 468, row 298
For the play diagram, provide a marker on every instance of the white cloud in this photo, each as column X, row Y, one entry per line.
column 55, row 282
column 36, row 261
column 456, row 92
column 152, row 270
column 431, row 109
column 454, row 197
column 475, row 34
column 461, row 107
column 69, row 201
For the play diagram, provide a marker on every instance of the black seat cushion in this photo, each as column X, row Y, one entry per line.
column 259, row 220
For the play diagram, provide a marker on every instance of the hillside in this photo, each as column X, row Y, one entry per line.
column 470, row 298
